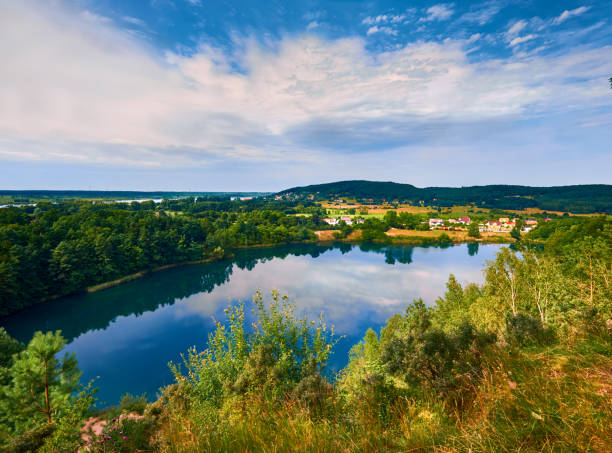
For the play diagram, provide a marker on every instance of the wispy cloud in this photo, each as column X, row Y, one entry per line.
column 440, row 12
column 381, row 29
column 570, row 13
column 521, row 39
column 134, row 21
column 512, row 34
column 516, row 28
column 383, row 19
column 482, row 14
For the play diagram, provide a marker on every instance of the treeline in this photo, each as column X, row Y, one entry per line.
column 71, row 195
column 57, row 249
column 579, row 199
column 521, row 362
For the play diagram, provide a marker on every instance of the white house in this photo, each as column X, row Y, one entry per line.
column 331, row 221
column 434, row 223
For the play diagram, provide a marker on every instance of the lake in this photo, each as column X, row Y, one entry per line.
column 127, row 334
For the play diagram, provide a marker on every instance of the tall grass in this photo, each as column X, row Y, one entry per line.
column 553, row 399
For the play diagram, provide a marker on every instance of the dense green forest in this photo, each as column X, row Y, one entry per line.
column 579, row 199
column 521, row 362
column 54, row 249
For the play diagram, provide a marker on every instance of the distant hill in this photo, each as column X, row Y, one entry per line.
column 579, row 199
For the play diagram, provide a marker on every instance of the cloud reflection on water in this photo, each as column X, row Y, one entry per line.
column 345, row 286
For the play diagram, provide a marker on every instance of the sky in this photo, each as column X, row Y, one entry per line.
column 210, row 95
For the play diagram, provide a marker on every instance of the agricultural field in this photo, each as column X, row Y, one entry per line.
column 457, row 236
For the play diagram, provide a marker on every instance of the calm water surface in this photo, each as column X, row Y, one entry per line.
column 126, row 335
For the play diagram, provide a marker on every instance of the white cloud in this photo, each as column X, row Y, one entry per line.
column 516, row 28
column 85, row 91
column 473, row 38
column 134, row 21
column 483, row 13
column 440, row 12
column 521, row 39
column 312, row 25
column 570, row 13
column 512, row 34
column 384, row 18
column 397, row 19
column 371, row 20
column 382, row 29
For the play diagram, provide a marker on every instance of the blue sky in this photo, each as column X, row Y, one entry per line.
column 240, row 95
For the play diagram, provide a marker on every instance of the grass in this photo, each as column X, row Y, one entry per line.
column 544, row 399
column 378, row 211
column 417, row 237
column 549, row 399
column 457, row 236
column 541, row 399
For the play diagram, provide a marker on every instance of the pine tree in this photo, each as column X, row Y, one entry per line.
column 41, row 385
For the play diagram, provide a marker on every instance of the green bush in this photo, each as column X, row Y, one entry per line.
column 525, row 330
column 272, row 358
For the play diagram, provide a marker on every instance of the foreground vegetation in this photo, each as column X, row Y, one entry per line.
column 522, row 362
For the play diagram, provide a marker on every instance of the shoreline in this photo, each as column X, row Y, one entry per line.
column 135, row 276
column 140, row 274
column 412, row 241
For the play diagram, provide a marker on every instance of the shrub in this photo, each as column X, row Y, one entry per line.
column 134, row 404
column 444, row 238
column 425, row 356
column 525, row 330
column 271, row 359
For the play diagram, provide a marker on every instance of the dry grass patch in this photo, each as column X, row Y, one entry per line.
column 456, row 236
column 354, row 235
column 399, row 233
column 325, row 235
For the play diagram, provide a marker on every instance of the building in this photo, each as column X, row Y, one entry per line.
column 331, row 221
column 465, row 220
column 435, row 223
column 347, row 220
column 493, row 225
column 453, row 221
column 531, row 222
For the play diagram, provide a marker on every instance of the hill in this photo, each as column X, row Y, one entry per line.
column 578, row 198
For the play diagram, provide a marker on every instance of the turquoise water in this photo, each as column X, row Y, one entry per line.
column 126, row 335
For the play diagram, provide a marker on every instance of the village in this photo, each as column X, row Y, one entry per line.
column 501, row 225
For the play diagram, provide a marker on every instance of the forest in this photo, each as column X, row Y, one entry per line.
column 521, row 362
column 55, row 249
column 578, row 199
